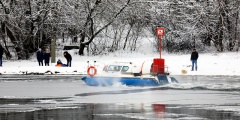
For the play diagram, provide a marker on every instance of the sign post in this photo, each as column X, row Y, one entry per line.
column 159, row 63
column 160, row 33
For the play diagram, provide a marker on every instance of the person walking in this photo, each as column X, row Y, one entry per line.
column 68, row 57
column 1, row 53
column 47, row 56
column 40, row 57
column 194, row 57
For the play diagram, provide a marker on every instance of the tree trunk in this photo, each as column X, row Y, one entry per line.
column 222, row 15
column 236, row 27
column 81, row 49
column 82, row 45
column 128, row 33
column 17, row 43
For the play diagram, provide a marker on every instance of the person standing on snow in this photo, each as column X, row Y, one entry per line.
column 194, row 57
column 68, row 57
column 47, row 56
column 40, row 57
column 1, row 53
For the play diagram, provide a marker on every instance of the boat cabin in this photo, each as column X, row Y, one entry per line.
column 118, row 68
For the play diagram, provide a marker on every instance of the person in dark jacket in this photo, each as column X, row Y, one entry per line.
column 40, row 57
column 47, row 56
column 194, row 57
column 68, row 57
column 1, row 53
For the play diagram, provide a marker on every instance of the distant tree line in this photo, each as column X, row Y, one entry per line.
column 102, row 26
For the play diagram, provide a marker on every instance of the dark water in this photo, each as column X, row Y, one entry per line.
column 68, row 98
column 122, row 112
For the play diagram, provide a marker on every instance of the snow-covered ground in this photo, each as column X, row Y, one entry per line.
column 208, row 63
column 211, row 63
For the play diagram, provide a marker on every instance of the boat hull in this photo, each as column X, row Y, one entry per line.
column 129, row 81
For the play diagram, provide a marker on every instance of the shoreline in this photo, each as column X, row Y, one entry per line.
column 81, row 75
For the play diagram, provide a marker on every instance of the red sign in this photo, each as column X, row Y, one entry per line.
column 160, row 31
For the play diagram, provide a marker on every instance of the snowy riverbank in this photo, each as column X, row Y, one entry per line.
column 208, row 64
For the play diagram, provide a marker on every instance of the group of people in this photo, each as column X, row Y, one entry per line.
column 45, row 56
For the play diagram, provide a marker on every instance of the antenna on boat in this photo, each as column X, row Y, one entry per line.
column 88, row 63
column 94, row 63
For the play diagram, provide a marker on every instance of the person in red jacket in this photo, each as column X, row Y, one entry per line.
column 68, row 57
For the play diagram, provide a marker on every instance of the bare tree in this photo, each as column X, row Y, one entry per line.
column 110, row 25
column 88, row 28
column 23, row 24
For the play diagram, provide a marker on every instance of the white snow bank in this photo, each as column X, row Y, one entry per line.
column 208, row 64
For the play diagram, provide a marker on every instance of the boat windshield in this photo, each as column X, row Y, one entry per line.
column 125, row 68
column 114, row 68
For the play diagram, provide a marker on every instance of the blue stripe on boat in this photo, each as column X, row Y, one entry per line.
column 129, row 81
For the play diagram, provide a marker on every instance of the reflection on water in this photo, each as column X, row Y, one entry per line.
column 121, row 112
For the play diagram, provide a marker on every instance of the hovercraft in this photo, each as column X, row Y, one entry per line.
column 125, row 73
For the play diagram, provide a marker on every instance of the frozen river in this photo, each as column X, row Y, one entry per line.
column 69, row 98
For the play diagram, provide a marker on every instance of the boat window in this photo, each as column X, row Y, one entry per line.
column 119, row 68
column 114, row 68
column 105, row 68
column 110, row 68
column 125, row 68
